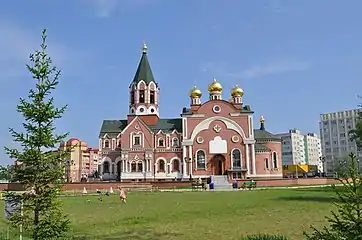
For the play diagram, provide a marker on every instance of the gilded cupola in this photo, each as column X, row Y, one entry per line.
column 195, row 92
column 236, row 91
column 214, row 87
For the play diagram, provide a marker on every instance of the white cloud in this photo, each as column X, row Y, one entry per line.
column 256, row 71
column 105, row 8
column 274, row 68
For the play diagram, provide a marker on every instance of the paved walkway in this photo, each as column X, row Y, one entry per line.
column 260, row 188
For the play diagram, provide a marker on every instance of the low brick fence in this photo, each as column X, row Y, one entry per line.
column 92, row 186
column 292, row 182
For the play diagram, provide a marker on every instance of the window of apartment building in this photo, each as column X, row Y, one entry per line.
column 334, row 122
column 342, row 134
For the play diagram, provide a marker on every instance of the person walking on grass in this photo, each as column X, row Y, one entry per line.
column 122, row 195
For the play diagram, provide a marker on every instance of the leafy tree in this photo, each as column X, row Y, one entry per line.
column 42, row 169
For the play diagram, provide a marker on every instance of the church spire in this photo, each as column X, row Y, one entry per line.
column 144, row 71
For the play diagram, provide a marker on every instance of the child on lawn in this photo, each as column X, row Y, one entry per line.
column 122, row 195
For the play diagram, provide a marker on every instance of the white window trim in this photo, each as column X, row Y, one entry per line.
column 134, row 139
column 104, row 143
column 276, row 158
column 158, row 142
column 196, row 158
column 172, row 141
column 232, row 158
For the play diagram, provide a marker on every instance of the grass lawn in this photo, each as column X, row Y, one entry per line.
column 198, row 215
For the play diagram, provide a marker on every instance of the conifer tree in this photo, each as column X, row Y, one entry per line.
column 42, row 167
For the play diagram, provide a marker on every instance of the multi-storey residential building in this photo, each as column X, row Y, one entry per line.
column 210, row 138
column 313, row 150
column 336, row 144
column 82, row 161
column 301, row 149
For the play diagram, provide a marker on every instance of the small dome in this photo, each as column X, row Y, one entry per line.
column 215, row 86
column 262, row 120
column 231, row 100
column 195, row 92
column 237, row 91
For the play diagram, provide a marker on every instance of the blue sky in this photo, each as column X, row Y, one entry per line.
column 294, row 59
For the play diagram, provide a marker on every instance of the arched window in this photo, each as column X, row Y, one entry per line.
column 266, row 163
column 133, row 167
column 106, row 143
column 139, row 167
column 275, row 160
column 176, row 165
column 132, row 97
column 106, row 167
column 175, row 142
column 236, row 157
column 200, row 159
column 161, row 166
column 161, row 142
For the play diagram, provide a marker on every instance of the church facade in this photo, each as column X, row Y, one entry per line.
column 216, row 137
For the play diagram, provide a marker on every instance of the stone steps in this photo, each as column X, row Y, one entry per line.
column 221, row 182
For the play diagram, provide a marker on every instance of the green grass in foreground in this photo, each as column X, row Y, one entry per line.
column 198, row 215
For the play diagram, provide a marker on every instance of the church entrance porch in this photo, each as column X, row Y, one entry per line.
column 218, row 164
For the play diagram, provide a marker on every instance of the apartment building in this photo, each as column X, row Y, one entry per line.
column 336, row 144
column 82, row 162
column 301, row 149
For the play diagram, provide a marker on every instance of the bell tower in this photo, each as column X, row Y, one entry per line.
column 144, row 90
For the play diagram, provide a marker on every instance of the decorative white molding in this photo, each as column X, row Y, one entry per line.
column 216, row 109
column 230, row 124
column 197, row 115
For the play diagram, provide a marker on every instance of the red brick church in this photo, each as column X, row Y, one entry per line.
column 210, row 138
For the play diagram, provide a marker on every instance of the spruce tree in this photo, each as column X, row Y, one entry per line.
column 42, row 166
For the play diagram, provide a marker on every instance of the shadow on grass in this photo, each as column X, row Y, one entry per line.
column 134, row 234
column 322, row 199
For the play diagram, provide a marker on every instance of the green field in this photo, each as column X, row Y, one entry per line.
column 198, row 215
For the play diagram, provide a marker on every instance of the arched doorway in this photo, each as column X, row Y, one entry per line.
column 217, row 163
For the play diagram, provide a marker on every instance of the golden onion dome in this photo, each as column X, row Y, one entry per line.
column 237, row 91
column 215, row 86
column 195, row 92
column 262, row 119
column 231, row 100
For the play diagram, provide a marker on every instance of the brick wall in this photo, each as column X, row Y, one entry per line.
column 293, row 182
